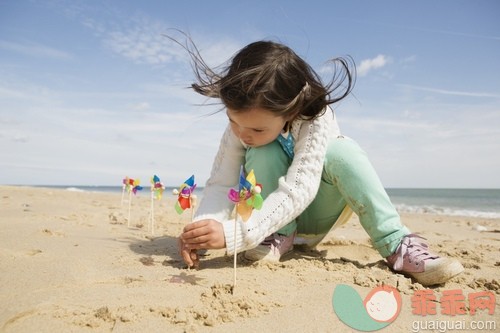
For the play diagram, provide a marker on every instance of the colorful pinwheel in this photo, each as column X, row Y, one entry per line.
column 157, row 187
column 131, row 186
column 125, row 187
column 248, row 196
column 125, row 183
column 185, row 193
column 135, row 185
column 246, row 199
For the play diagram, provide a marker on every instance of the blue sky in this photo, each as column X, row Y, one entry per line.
column 90, row 91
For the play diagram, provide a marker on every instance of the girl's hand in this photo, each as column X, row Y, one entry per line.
column 190, row 257
column 204, row 234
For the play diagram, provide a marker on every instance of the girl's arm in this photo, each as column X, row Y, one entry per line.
column 215, row 204
column 295, row 191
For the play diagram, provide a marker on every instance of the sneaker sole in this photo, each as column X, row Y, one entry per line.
column 256, row 255
column 438, row 276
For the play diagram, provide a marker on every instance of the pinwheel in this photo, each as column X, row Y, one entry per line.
column 248, row 195
column 127, row 185
column 124, row 188
column 132, row 187
column 135, row 185
column 185, row 196
column 157, row 189
column 246, row 198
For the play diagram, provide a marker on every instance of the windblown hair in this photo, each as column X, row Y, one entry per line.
column 270, row 75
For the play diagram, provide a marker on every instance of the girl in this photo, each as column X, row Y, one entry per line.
column 281, row 126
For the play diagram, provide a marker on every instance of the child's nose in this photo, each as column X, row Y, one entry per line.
column 243, row 132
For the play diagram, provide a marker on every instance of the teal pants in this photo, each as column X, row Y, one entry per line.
column 348, row 178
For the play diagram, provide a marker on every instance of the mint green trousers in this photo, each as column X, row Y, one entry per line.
column 348, row 178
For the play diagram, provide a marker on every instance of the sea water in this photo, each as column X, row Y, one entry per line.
column 460, row 202
column 457, row 202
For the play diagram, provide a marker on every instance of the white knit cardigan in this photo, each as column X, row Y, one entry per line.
column 295, row 191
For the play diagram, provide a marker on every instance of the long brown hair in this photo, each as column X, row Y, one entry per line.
column 270, row 75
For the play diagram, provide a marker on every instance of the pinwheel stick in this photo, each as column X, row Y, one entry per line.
column 191, row 205
column 181, row 206
column 129, row 205
column 123, row 193
column 152, row 212
column 246, row 198
column 235, row 252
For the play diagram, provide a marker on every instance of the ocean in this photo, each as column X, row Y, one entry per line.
column 483, row 203
column 460, row 202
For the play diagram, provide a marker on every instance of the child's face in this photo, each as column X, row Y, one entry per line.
column 256, row 127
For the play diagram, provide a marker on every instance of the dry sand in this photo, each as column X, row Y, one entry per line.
column 70, row 263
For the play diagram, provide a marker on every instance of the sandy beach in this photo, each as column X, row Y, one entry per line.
column 72, row 263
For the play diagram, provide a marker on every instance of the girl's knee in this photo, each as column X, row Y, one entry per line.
column 265, row 150
column 343, row 149
column 265, row 157
column 269, row 163
column 344, row 159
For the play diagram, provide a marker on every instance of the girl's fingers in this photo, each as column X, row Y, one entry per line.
column 186, row 256
column 199, row 246
column 195, row 225
column 195, row 259
column 196, row 236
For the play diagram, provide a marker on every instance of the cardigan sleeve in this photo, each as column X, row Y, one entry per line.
column 296, row 189
column 224, row 175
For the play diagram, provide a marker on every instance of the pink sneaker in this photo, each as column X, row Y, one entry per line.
column 413, row 258
column 272, row 248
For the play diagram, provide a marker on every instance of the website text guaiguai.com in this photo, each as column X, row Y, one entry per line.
column 453, row 325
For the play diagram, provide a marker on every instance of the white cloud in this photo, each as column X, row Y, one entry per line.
column 451, row 92
column 142, row 44
column 409, row 59
column 368, row 65
column 88, row 134
column 97, row 144
column 10, row 93
column 438, row 146
column 34, row 50
column 143, row 106
column 143, row 41
column 148, row 45
column 216, row 51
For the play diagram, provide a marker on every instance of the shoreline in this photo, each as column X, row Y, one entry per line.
column 71, row 263
column 402, row 208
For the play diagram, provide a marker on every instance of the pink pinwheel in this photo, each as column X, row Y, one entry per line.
column 248, row 195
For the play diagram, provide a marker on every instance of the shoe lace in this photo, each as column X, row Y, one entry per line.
column 414, row 249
